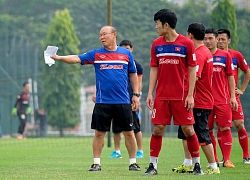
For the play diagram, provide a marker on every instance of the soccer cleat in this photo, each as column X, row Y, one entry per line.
column 95, row 167
column 197, row 169
column 246, row 160
column 183, row 169
column 139, row 154
column 151, row 170
column 134, row 167
column 211, row 170
column 115, row 155
column 228, row 164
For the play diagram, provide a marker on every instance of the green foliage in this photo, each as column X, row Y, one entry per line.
column 61, row 91
column 224, row 16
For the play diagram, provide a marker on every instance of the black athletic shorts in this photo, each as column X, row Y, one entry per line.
column 120, row 114
column 200, row 126
column 136, row 124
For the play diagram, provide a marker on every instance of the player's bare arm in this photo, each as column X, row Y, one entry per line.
column 70, row 59
column 134, row 83
column 233, row 101
column 152, row 83
column 244, row 83
column 189, row 102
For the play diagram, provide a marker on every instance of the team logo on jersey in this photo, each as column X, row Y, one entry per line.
column 216, row 69
column 241, row 113
column 198, row 114
column 190, row 118
column 106, row 66
column 102, row 56
column 168, row 61
column 217, row 59
column 160, row 49
column 177, row 49
column 121, row 57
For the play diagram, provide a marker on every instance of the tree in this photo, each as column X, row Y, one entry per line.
column 224, row 16
column 61, row 96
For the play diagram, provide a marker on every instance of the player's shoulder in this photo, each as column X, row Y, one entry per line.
column 203, row 51
column 122, row 50
column 159, row 39
column 234, row 52
column 138, row 65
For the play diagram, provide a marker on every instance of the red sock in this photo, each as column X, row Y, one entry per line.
column 193, row 145
column 219, row 138
column 155, row 145
column 211, row 133
column 243, row 140
column 226, row 144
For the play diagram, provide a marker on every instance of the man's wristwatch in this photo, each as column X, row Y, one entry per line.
column 136, row 94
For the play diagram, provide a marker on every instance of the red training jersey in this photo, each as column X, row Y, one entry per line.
column 203, row 97
column 238, row 62
column 172, row 60
column 222, row 68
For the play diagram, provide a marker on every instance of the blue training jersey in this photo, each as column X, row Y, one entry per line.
column 112, row 70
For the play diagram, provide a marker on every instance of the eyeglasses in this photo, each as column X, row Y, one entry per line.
column 105, row 34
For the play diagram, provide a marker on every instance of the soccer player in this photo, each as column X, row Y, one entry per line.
column 173, row 74
column 239, row 62
column 22, row 109
column 223, row 89
column 203, row 102
column 137, row 129
column 114, row 65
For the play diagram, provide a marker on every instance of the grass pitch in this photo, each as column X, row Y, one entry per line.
column 70, row 158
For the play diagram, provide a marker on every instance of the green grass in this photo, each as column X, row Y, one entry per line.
column 70, row 158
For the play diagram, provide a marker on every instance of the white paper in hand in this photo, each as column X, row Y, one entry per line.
column 51, row 50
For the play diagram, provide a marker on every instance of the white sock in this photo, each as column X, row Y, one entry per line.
column 187, row 162
column 154, row 160
column 132, row 160
column 118, row 151
column 213, row 165
column 196, row 160
column 97, row 160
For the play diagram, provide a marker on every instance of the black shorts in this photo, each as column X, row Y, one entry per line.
column 120, row 114
column 200, row 126
column 136, row 124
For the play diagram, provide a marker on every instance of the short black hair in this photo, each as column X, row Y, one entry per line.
column 24, row 84
column 166, row 16
column 197, row 30
column 211, row 31
column 226, row 31
column 126, row 42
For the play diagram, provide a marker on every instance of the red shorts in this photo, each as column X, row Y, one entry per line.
column 239, row 114
column 222, row 115
column 164, row 110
